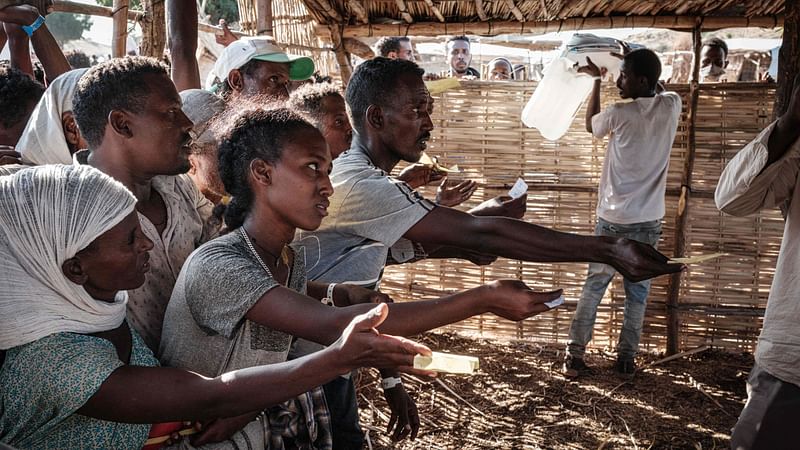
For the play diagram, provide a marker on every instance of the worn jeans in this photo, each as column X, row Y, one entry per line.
column 600, row 275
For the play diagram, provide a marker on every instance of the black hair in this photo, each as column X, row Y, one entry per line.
column 373, row 82
column 17, row 92
column 117, row 84
column 78, row 59
column 644, row 62
column 459, row 38
column 716, row 42
column 307, row 100
column 257, row 134
column 388, row 44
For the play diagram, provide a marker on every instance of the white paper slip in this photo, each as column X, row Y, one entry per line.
column 696, row 259
column 519, row 189
column 447, row 362
column 553, row 303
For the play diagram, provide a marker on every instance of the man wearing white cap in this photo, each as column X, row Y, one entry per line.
column 258, row 66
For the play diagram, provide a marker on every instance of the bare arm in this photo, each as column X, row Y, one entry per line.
column 43, row 42
column 281, row 307
column 182, row 22
column 787, row 130
column 593, row 108
column 516, row 239
column 158, row 394
column 19, row 48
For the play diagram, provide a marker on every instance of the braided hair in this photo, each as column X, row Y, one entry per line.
column 257, row 134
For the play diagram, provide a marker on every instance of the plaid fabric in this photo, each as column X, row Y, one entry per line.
column 300, row 423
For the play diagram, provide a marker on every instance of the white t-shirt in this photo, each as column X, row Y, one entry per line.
column 635, row 167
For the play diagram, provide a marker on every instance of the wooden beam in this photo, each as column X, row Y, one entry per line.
column 493, row 28
column 119, row 37
column 481, row 12
column 788, row 59
column 682, row 218
column 401, row 5
column 514, row 10
column 92, row 10
column 154, row 29
column 208, row 28
column 329, row 10
column 359, row 10
column 435, row 10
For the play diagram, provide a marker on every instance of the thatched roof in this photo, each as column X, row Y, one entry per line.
column 487, row 17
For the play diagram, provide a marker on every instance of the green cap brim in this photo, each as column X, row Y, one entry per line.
column 300, row 67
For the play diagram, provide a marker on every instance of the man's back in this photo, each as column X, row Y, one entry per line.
column 634, row 175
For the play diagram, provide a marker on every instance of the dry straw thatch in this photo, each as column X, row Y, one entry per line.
column 721, row 302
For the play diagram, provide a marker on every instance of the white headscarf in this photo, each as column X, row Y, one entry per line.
column 43, row 141
column 47, row 215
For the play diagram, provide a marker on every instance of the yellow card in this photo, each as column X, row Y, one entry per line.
column 434, row 163
column 447, row 362
column 696, row 259
column 439, row 86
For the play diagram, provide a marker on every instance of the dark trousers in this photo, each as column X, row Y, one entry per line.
column 341, row 397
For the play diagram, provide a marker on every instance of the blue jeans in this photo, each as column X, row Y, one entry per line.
column 580, row 332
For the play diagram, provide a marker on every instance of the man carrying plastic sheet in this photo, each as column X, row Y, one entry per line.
column 764, row 174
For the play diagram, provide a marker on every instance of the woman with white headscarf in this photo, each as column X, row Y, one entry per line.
column 75, row 375
column 51, row 135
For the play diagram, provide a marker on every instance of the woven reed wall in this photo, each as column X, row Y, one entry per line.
column 293, row 27
column 478, row 128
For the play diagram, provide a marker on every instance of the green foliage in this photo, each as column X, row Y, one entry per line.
column 222, row 9
column 67, row 27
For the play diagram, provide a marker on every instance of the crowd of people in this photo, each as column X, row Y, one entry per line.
column 205, row 259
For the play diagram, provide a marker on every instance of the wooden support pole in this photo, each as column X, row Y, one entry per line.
column 264, row 25
column 119, row 15
column 682, row 218
column 493, row 28
column 788, row 59
column 342, row 57
column 154, row 29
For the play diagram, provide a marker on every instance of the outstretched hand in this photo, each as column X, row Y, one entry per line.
column 361, row 345
column 637, row 261
column 452, row 193
column 514, row 300
column 502, row 205
column 225, row 36
column 417, row 175
column 405, row 417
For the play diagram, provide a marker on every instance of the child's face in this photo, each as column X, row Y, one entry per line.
column 336, row 125
column 300, row 184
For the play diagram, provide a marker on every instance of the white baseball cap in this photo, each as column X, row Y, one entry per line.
column 244, row 50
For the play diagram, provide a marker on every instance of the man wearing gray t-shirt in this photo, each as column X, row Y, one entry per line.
column 370, row 211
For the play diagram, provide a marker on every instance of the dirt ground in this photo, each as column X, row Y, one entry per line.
column 520, row 400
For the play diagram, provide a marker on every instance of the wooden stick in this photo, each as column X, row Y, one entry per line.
column 514, row 10
column 359, row 10
column 693, row 351
column 481, row 12
column 92, row 10
column 492, row 28
column 401, row 5
column 682, row 218
column 120, row 34
column 154, row 29
column 435, row 10
column 441, row 383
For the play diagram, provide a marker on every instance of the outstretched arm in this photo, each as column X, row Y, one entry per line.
column 516, row 239
column 43, row 42
column 593, row 108
column 182, row 23
column 159, row 394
